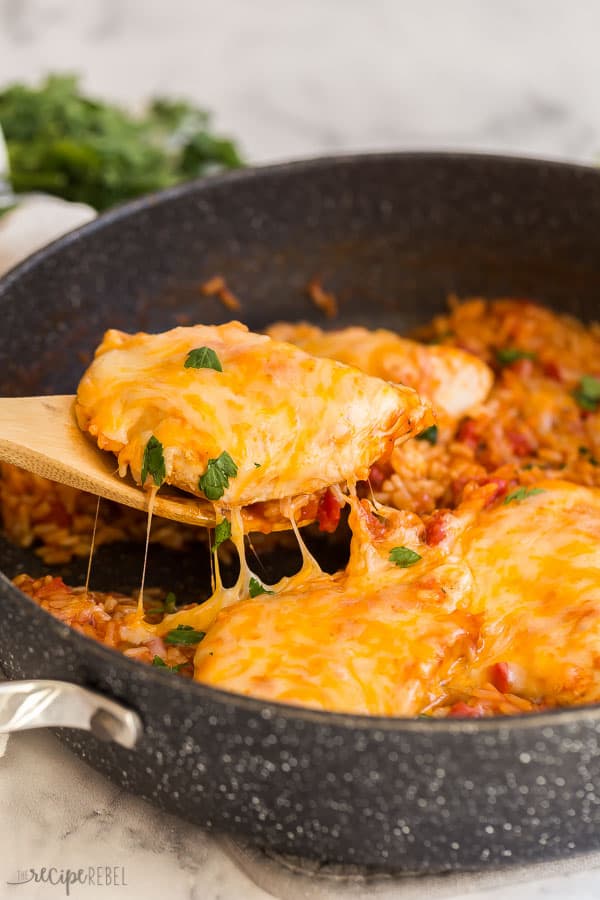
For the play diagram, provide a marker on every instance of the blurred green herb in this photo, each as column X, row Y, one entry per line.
column 506, row 356
column 430, row 435
column 587, row 393
column 161, row 664
column 170, row 602
column 523, row 493
column 62, row 142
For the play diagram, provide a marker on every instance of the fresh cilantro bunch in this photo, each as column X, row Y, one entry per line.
column 64, row 143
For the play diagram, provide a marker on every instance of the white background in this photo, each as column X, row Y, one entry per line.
column 299, row 77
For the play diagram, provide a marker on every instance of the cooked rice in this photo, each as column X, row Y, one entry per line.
column 530, row 423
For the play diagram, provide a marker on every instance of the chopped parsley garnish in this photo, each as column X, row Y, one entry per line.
column 162, row 606
column 255, row 588
column 257, row 465
column 522, row 493
column 587, row 393
column 403, row 557
column 506, row 356
column 203, row 358
column 222, row 533
column 216, row 478
column 161, row 664
column 153, row 462
column 184, row 634
column 430, row 435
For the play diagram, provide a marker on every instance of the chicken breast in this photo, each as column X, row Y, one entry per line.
column 239, row 417
column 451, row 379
column 497, row 601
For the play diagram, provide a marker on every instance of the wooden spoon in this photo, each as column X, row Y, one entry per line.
column 41, row 434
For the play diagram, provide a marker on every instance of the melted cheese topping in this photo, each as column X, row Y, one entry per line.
column 537, row 583
column 516, row 583
column 293, row 424
column 453, row 380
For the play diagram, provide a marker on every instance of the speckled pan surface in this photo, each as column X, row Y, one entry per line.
column 391, row 236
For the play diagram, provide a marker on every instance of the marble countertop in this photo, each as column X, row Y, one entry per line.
column 290, row 79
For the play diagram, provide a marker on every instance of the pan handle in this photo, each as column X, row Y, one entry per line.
column 43, row 704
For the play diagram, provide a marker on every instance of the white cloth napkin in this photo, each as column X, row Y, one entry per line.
column 34, row 222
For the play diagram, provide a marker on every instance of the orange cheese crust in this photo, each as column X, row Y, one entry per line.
column 499, row 613
column 293, row 424
column 514, row 585
column 452, row 379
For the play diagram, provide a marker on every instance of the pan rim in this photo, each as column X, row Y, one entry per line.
column 295, row 166
column 269, row 709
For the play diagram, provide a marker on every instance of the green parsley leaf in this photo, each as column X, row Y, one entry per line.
column 508, row 355
column 203, row 358
column 587, row 393
column 255, row 588
column 257, row 465
column 227, row 464
column 185, row 635
column 222, row 533
column 216, row 478
column 153, row 462
column 403, row 557
column 523, row 493
column 167, row 605
column 161, row 664
column 430, row 435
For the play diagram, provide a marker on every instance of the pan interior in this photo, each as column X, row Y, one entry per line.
column 390, row 236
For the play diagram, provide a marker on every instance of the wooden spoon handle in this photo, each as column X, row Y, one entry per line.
column 41, row 434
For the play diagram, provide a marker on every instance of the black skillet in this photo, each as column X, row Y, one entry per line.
column 391, row 236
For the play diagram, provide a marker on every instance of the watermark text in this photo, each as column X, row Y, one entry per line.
column 91, row 876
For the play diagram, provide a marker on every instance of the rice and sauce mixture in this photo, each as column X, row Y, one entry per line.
column 538, row 421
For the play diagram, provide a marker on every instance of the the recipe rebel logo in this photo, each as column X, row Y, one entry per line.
column 90, row 876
